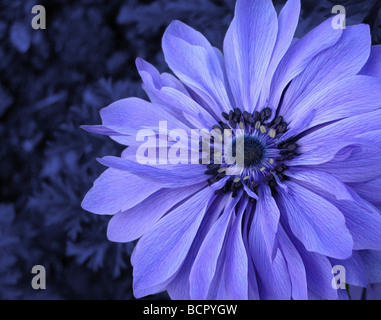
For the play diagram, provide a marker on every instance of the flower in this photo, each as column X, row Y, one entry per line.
column 305, row 199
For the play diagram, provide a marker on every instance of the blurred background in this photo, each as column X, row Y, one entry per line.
column 54, row 80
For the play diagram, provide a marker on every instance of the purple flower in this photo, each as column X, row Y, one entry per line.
column 308, row 195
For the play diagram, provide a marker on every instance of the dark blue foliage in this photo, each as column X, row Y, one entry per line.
column 54, row 80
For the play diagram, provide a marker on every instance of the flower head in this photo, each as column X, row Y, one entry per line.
column 304, row 115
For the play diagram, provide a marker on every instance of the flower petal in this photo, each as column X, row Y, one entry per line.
column 160, row 253
column 319, row 274
column 168, row 176
column 369, row 190
column 320, row 181
column 115, row 191
column 354, row 270
column 372, row 262
column 131, row 224
column 326, row 70
column 236, row 261
column 308, row 214
column 287, row 23
column 373, row 66
column 300, row 55
column 248, row 46
column 364, row 223
column 205, row 263
column 295, row 267
column 179, row 288
column 196, row 63
column 323, row 144
column 271, row 269
column 266, row 219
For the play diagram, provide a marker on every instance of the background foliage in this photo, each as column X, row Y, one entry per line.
column 54, row 80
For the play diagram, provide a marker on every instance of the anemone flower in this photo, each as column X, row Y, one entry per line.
column 307, row 196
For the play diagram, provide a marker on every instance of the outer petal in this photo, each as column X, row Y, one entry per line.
column 127, row 116
column 342, row 60
column 168, row 176
column 236, row 263
column 169, row 92
column 271, row 269
column 179, row 288
column 320, row 181
column 132, row 224
column 248, row 47
column 363, row 222
column 372, row 263
column 287, row 23
column 115, row 191
column 354, row 270
column 308, row 215
column 369, row 190
column 196, row 63
column 266, row 219
column 323, row 144
column 373, row 65
column 300, row 55
column 160, row 253
column 153, row 80
column 205, row 263
column 318, row 270
column 336, row 100
column 295, row 267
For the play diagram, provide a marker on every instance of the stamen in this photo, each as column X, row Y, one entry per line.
column 272, row 133
column 256, row 148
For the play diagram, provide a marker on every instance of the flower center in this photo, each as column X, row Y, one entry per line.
column 263, row 150
column 253, row 150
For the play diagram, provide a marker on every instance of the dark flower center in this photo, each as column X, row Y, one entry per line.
column 264, row 152
column 253, row 150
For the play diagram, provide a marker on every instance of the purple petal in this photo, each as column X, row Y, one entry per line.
column 372, row 263
column 319, row 274
column 270, row 270
column 300, row 55
column 169, row 92
column 266, row 219
column 354, row 270
column 287, row 23
column 326, row 70
column 196, row 63
column 132, row 224
column 248, row 47
column 318, row 224
column 236, row 263
column 373, row 66
column 369, row 190
column 338, row 100
column 363, row 222
column 360, row 163
column 101, row 130
column 127, row 116
column 167, row 176
column 153, row 80
column 295, row 267
column 205, row 263
column 323, row 144
column 160, row 253
column 321, row 181
column 115, row 191
column 179, row 288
